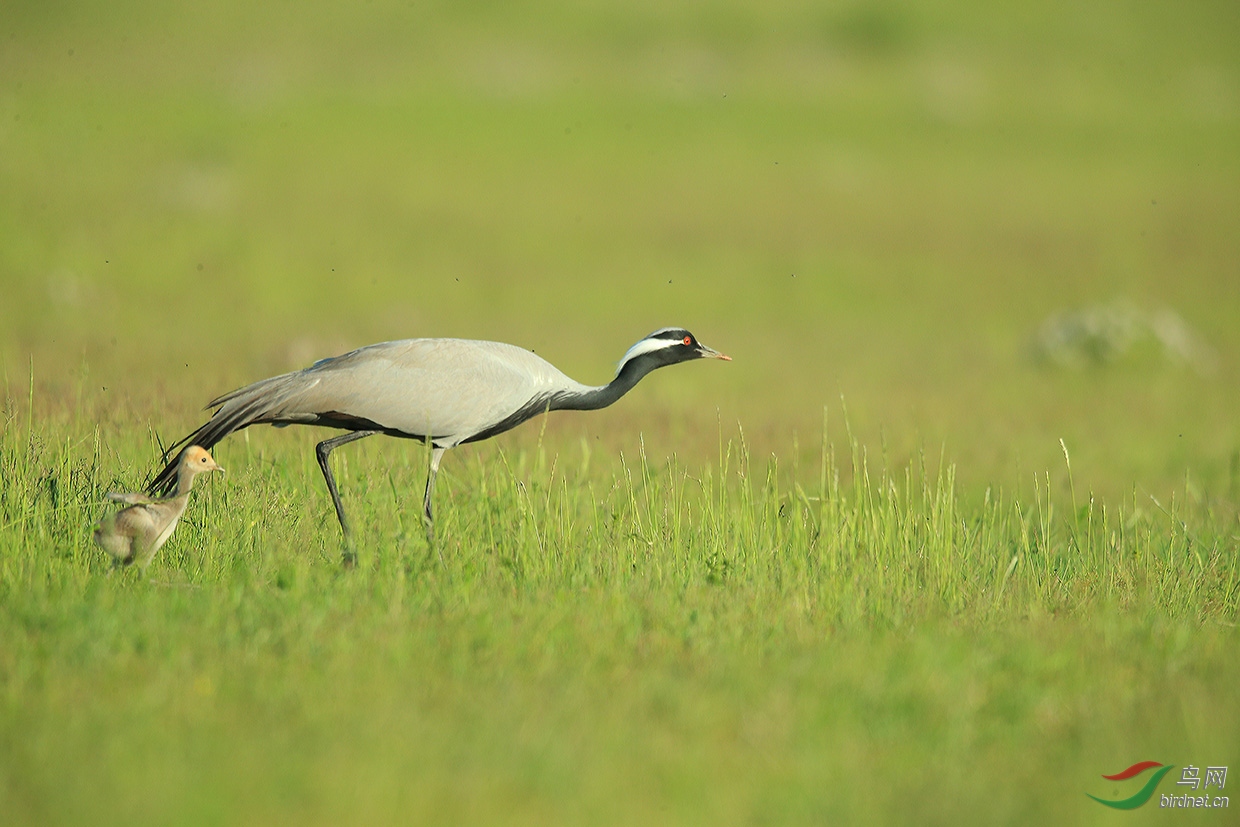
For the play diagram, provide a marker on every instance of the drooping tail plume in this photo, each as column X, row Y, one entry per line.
column 260, row 402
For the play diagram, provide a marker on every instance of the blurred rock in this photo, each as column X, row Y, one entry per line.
column 1106, row 334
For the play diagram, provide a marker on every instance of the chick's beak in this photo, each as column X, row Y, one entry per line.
column 711, row 353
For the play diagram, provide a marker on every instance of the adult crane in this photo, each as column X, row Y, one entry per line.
column 445, row 392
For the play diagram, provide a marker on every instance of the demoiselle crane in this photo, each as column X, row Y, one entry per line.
column 446, row 392
column 135, row 533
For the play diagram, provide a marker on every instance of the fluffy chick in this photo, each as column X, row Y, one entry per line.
column 134, row 534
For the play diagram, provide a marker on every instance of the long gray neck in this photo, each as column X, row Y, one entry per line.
column 591, row 399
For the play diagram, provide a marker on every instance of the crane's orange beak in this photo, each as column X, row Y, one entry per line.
column 711, row 353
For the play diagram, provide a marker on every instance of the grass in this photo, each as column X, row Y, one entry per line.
column 738, row 643
column 981, row 586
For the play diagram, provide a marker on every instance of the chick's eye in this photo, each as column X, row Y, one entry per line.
column 688, row 340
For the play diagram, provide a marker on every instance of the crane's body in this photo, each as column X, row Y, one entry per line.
column 443, row 391
column 447, row 391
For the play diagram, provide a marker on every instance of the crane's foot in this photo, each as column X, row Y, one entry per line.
column 431, row 544
column 348, row 556
column 348, row 551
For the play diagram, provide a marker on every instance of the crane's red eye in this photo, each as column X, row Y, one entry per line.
column 688, row 340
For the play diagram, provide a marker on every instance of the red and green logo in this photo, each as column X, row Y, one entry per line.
column 1144, row 794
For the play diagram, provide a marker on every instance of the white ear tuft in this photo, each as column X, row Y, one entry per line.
column 647, row 345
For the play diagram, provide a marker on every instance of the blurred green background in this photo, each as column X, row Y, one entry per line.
column 879, row 202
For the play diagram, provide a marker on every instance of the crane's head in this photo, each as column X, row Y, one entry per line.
column 196, row 459
column 667, row 347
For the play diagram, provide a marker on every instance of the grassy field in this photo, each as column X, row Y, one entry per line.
column 954, row 534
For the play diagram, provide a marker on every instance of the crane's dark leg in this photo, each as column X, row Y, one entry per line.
column 322, row 450
column 427, row 517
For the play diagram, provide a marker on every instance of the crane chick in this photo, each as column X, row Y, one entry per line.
column 134, row 534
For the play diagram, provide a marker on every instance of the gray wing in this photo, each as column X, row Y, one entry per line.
column 128, row 498
column 124, row 532
column 449, row 389
column 446, row 389
column 139, row 521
